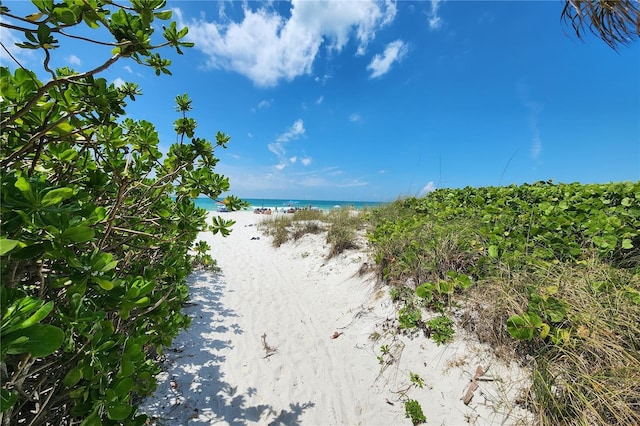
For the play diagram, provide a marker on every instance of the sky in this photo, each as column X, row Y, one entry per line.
column 376, row 100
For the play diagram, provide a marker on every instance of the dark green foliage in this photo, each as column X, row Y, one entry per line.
column 97, row 226
column 413, row 411
column 441, row 329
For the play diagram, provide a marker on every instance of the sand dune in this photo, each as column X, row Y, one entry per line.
column 284, row 336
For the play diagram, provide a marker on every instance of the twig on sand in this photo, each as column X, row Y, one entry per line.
column 267, row 349
column 358, row 315
column 468, row 396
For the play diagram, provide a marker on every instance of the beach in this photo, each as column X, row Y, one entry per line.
column 285, row 336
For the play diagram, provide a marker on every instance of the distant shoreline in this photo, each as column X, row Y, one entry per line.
column 257, row 203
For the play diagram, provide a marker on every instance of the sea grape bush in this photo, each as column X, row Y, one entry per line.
column 514, row 224
column 553, row 266
column 97, row 225
column 549, row 221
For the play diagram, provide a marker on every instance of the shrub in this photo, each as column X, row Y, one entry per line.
column 96, row 226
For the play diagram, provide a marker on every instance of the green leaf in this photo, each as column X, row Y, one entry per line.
column 65, row 15
column 56, row 196
column 24, row 186
column 91, row 420
column 493, row 251
column 38, row 316
column 425, row 291
column 68, row 155
column 627, row 244
column 127, row 368
column 72, row 377
column 164, row 15
column 78, row 234
column 105, row 284
column 109, row 266
column 39, row 340
column 544, row 330
column 520, row 327
column 6, row 245
column 7, row 399
column 464, row 281
column 633, row 294
column 124, row 387
column 118, row 410
column 143, row 301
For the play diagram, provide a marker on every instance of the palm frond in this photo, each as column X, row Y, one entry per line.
column 616, row 22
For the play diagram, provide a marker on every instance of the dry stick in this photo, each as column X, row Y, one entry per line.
column 468, row 396
column 268, row 349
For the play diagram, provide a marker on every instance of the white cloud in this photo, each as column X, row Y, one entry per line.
column 249, row 134
column 320, row 99
column 128, row 68
column 533, row 112
column 278, row 147
column 294, row 132
column 435, row 22
column 355, row 118
column 267, row 48
column 322, row 80
column 381, row 64
column 429, row 187
column 265, row 103
column 9, row 40
column 306, row 161
column 281, row 182
column 73, row 60
column 118, row 82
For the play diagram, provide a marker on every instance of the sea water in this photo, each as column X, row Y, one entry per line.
column 257, row 203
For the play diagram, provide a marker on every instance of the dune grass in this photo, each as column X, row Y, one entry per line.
column 340, row 225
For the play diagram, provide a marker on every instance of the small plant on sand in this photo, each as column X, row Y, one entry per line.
column 201, row 257
column 441, row 329
column 413, row 411
column 398, row 294
column 416, row 379
column 409, row 316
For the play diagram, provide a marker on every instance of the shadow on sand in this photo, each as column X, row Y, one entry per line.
column 191, row 389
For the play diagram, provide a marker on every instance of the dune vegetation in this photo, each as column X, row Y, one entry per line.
column 546, row 274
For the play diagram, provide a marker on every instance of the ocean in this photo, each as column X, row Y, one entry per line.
column 210, row 205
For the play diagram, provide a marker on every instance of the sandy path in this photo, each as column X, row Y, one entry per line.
column 293, row 300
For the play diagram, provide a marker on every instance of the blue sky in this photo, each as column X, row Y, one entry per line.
column 374, row 100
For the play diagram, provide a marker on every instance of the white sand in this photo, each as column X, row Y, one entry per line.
column 220, row 372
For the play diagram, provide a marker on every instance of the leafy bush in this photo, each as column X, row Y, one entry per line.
column 96, row 226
